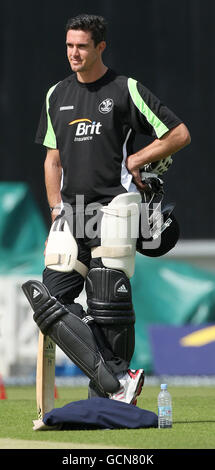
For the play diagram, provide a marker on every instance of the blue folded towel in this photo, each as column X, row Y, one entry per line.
column 100, row 413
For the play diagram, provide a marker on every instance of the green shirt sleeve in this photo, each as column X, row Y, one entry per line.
column 154, row 117
column 45, row 133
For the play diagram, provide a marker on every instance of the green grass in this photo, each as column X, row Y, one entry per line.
column 193, row 420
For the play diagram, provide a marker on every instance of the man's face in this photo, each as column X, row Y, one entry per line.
column 81, row 51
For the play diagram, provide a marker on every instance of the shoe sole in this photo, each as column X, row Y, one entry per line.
column 138, row 389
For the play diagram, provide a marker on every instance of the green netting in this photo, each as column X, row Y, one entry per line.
column 22, row 231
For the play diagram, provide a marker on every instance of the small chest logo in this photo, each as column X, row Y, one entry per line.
column 106, row 106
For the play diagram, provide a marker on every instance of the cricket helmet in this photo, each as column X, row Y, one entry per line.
column 159, row 230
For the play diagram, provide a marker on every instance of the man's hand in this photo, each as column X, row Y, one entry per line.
column 137, row 181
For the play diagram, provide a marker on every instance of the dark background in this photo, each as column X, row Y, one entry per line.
column 167, row 45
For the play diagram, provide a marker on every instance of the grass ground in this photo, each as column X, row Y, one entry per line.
column 193, row 426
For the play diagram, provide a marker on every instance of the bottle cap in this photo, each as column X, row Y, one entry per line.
column 163, row 386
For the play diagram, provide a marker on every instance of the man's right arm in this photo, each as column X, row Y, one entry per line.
column 53, row 175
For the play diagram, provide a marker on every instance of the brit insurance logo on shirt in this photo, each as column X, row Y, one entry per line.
column 86, row 129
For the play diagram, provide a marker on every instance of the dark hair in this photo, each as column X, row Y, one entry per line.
column 93, row 23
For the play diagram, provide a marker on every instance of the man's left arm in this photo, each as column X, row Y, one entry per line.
column 170, row 143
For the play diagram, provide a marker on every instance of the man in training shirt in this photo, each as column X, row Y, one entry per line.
column 88, row 125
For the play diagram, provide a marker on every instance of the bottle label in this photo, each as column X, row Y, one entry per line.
column 164, row 411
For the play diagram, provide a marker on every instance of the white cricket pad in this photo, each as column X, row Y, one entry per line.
column 119, row 232
column 62, row 250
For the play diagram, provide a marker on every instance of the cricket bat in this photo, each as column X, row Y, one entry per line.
column 45, row 375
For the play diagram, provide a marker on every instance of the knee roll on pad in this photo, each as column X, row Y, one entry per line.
column 109, row 296
column 71, row 333
column 109, row 302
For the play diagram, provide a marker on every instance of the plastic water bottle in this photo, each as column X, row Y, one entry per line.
column 164, row 408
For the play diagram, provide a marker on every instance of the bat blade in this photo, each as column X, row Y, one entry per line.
column 45, row 375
